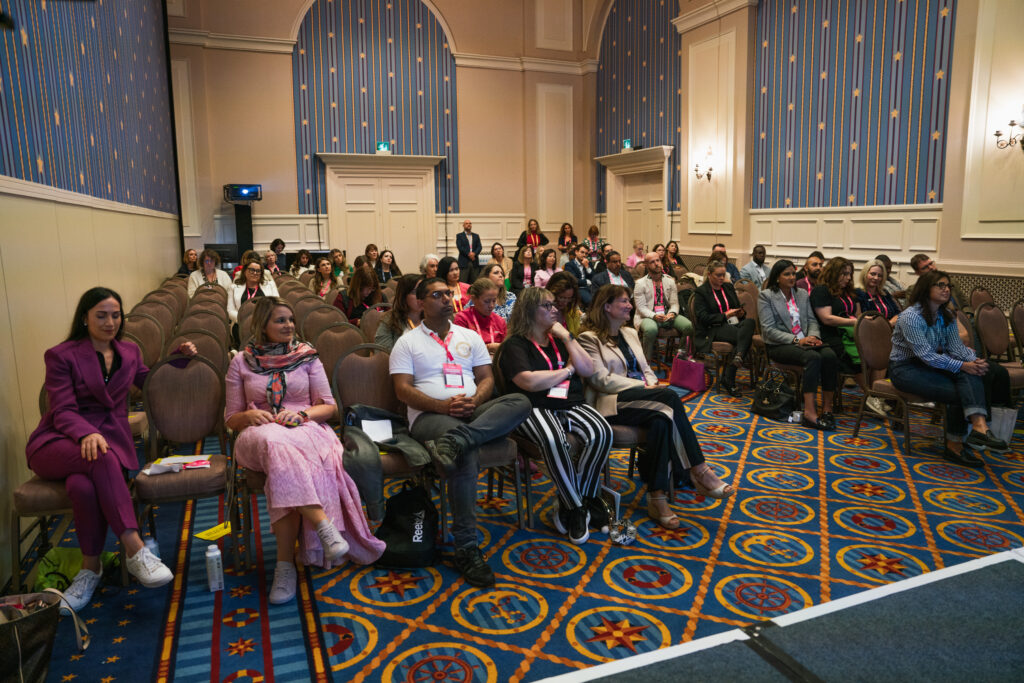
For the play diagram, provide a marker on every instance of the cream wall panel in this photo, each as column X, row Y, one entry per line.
column 796, row 232
column 923, row 235
column 554, row 153
column 833, row 233
column 185, row 138
column 553, row 24
column 877, row 234
column 84, row 262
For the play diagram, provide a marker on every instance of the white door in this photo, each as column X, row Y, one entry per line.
column 388, row 212
column 643, row 210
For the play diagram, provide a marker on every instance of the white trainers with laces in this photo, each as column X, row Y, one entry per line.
column 148, row 569
column 283, row 588
column 333, row 544
column 79, row 593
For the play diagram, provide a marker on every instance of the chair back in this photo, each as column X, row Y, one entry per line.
column 639, row 270
column 365, row 379
column 147, row 333
column 993, row 333
column 169, row 298
column 679, row 271
column 370, row 322
column 211, row 292
column 304, row 306
column 979, row 296
column 209, row 346
column 306, row 277
column 184, row 404
column 290, row 285
column 1017, row 323
column 160, row 310
column 319, row 319
column 748, row 287
column 965, row 329
column 334, row 341
column 245, row 312
column 331, row 295
column 207, row 322
column 749, row 303
column 873, row 335
column 699, row 269
column 179, row 289
column 208, row 305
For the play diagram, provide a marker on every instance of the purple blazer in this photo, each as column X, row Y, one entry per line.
column 81, row 404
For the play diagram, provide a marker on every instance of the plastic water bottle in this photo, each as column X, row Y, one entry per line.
column 214, row 568
column 152, row 546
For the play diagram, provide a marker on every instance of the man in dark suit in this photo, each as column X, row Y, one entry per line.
column 468, row 245
column 613, row 274
column 579, row 267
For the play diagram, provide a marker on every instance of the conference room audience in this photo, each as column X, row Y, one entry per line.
column 792, row 336
column 303, row 263
column 339, row 265
column 405, row 314
column 546, row 267
column 248, row 256
column 719, row 317
column 278, row 400
column 506, row 299
column 532, row 236
column 277, row 246
column 386, row 267
column 579, row 268
column 323, row 280
column 928, row 359
column 601, row 264
column 542, row 361
column 428, row 265
column 892, row 286
column 85, row 440
column 657, row 305
column 189, row 263
column 208, row 273
column 362, row 294
column 249, row 284
column 613, row 273
column 872, row 295
column 523, row 270
column 807, row 278
column 448, row 270
column 567, row 301
column 835, row 304
column 625, row 391
column 757, row 270
column 480, row 317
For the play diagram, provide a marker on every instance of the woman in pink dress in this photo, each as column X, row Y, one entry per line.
column 278, row 397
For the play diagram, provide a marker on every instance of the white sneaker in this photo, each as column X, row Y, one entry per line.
column 79, row 593
column 331, row 540
column 875, row 405
column 148, row 569
column 283, row 588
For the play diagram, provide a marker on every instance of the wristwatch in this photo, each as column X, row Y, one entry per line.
column 571, row 370
column 304, row 416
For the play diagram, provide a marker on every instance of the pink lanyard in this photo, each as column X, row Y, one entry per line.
column 659, row 294
column 444, row 344
column 880, row 305
column 722, row 308
column 848, row 306
column 476, row 326
column 791, row 305
column 558, row 356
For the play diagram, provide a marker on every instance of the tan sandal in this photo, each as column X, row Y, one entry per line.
column 709, row 485
column 666, row 522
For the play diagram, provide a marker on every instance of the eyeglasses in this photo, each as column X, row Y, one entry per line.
column 254, row 270
column 548, row 305
column 441, row 294
column 942, row 285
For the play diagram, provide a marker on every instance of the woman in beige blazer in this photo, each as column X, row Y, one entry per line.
column 625, row 391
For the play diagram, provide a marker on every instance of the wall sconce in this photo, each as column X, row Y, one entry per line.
column 1011, row 139
column 706, row 172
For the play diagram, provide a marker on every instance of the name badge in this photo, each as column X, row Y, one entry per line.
column 560, row 390
column 452, row 376
column 733, row 320
column 659, row 309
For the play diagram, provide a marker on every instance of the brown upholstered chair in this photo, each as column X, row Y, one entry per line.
column 208, row 345
column 333, row 342
column 317, row 319
column 160, row 310
column 169, row 298
column 369, row 323
column 184, row 402
column 980, row 295
column 758, row 350
column 205, row 321
column 306, row 277
column 148, row 333
column 207, row 305
column 720, row 352
column 966, row 329
column 303, row 305
column 286, row 286
column 245, row 317
column 210, row 292
column 994, row 338
column 1017, row 324
column 873, row 336
column 178, row 287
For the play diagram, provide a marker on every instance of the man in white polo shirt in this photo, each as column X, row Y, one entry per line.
column 442, row 372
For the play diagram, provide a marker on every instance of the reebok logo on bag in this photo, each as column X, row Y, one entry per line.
column 409, row 529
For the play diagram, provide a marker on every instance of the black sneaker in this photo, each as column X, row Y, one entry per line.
column 600, row 518
column 474, row 569
column 572, row 523
column 987, row 440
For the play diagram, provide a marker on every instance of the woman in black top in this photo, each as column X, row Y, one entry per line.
column 540, row 359
column 566, row 237
column 836, row 307
column 720, row 317
column 523, row 270
column 362, row 295
column 189, row 263
column 532, row 235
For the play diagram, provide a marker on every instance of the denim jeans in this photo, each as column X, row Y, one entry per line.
column 494, row 419
column 964, row 394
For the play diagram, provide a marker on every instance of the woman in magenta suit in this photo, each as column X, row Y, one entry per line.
column 84, row 438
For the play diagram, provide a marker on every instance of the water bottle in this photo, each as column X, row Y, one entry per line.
column 152, row 546
column 214, row 568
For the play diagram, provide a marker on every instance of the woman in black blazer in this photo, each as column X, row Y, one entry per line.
column 523, row 270
column 532, row 235
column 720, row 317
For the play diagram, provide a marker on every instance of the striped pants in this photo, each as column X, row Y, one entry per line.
column 577, row 479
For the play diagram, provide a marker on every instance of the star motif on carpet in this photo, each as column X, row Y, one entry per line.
column 68, row 677
column 124, row 622
column 112, row 659
column 241, row 646
column 663, row 534
column 90, row 621
column 129, row 606
column 97, row 605
column 868, row 489
column 882, row 564
column 119, row 640
column 241, row 591
column 107, row 679
column 75, row 658
column 133, row 591
column 614, row 634
column 854, row 441
column 396, row 582
column 718, row 428
column 493, row 503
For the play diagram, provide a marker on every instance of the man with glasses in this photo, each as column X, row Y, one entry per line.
column 442, row 372
column 922, row 263
column 613, row 273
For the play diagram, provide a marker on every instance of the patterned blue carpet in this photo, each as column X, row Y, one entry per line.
column 818, row 515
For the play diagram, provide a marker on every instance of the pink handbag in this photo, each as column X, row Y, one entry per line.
column 688, row 373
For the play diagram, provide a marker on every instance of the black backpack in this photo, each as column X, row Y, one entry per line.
column 409, row 529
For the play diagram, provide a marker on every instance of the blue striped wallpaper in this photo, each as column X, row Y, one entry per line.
column 368, row 71
column 851, row 102
column 84, row 100
column 639, row 84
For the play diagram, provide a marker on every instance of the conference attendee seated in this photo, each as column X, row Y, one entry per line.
column 208, row 273
column 807, row 278
column 602, row 263
column 892, row 286
column 270, row 263
column 566, row 239
column 303, row 263
column 579, row 267
column 363, row 293
column 448, row 270
column 720, row 318
column 405, row 313
column 637, row 257
column 498, row 256
column 428, row 265
column 757, row 270
column 84, row 439
column 929, row 359
column 657, row 305
column 532, row 236
column 836, row 307
column 594, row 242
column 468, row 245
column 792, row 337
column 386, row 267
column 613, row 274
column 730, row 268
column 248, row 256
column 625, row 390
column 672, row 257
column 567, row 301
column 506, row 300
column 540, row 360
column 323, row 280
column 480, row 317
column 922, row 263
column 278, row 399
column 371, row 255
column 280, row 258
column 442, row 372
column 189, row 263
column 523, row 270
column 339, row 267
column 546, row 267
column 872, row 294
column 249, row 284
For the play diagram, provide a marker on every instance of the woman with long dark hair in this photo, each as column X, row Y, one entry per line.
column 363, row 293
column 835, row 304
column 523, row 270
column 386, row 267
column 189, row 263
column 323, row 280
column 405, row 313
column 721, row 318
column 566, row 237
column 448, row 270
column 547, row 267
column 303, row 263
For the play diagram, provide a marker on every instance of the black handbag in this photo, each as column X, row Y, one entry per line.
column 773, row 398
column 409, row 529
